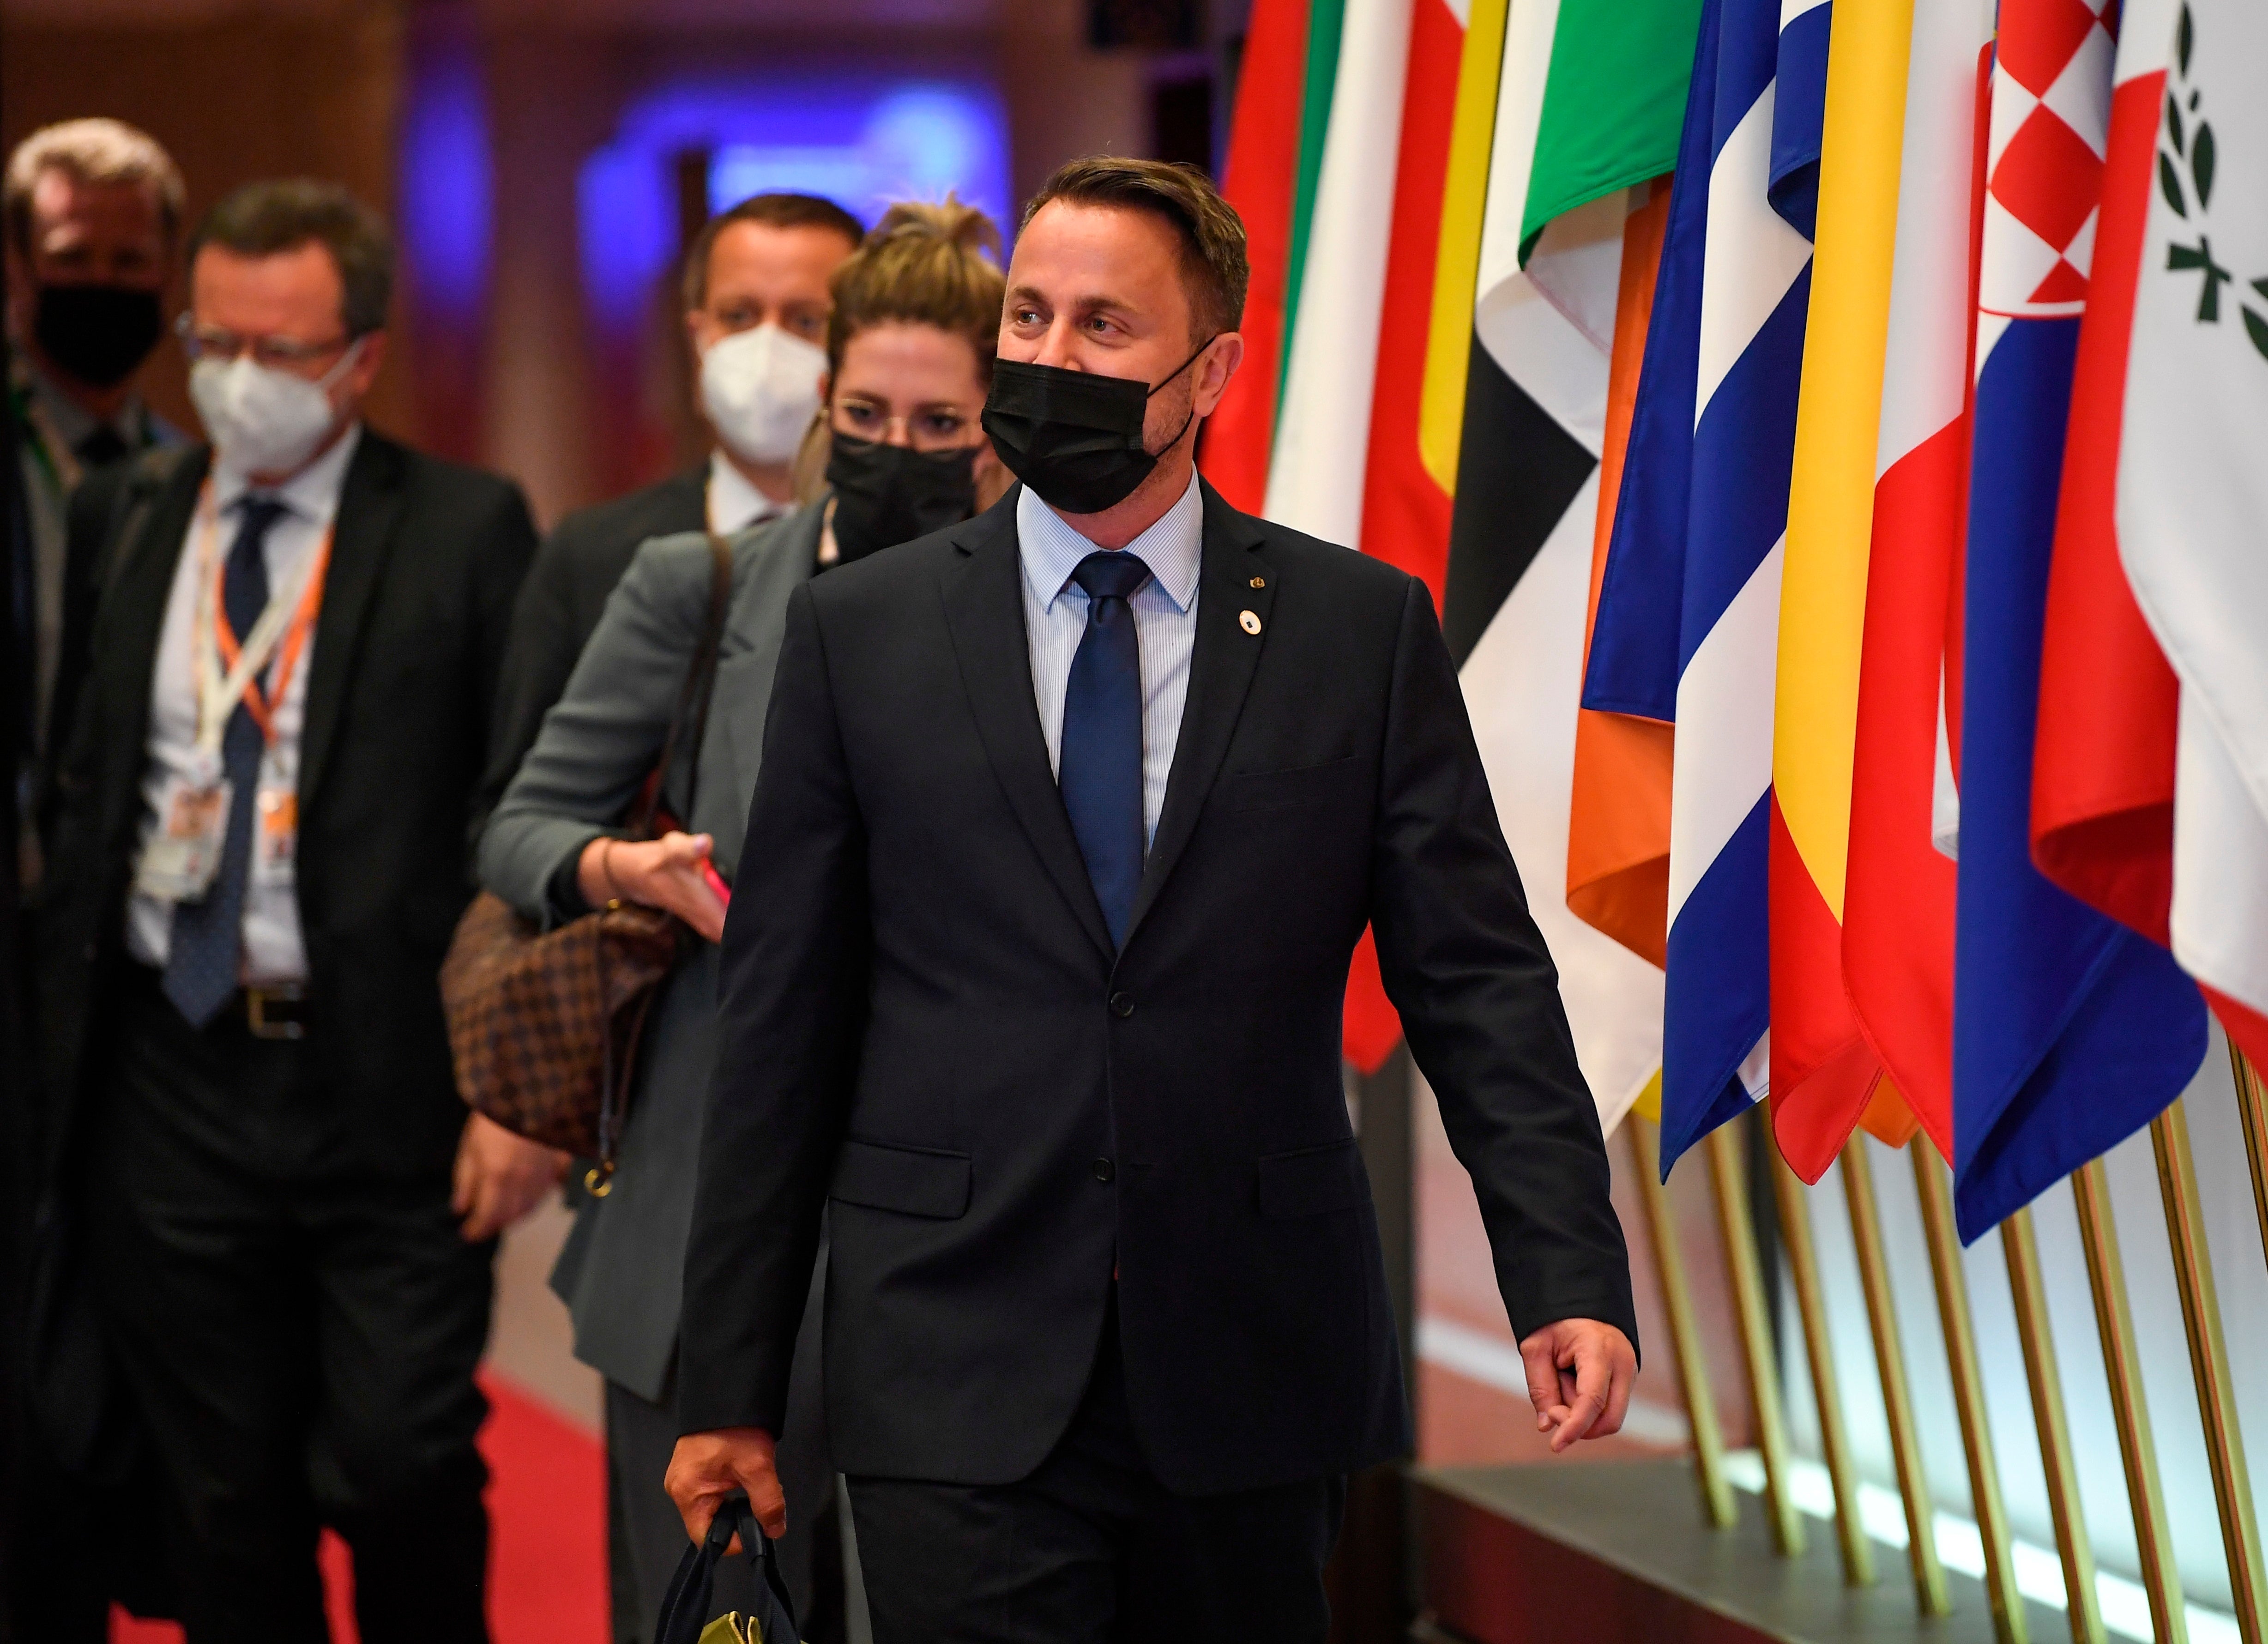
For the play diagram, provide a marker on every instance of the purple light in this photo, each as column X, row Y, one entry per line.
column 860, row 140
column 445, row 195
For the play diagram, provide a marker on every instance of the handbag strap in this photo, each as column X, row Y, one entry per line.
column 685, row 1607
column 689, row 724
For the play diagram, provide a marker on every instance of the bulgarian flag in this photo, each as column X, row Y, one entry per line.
column 1824, row 1072
column 2150, row 794
column 1588, row 104
column 1337, row 165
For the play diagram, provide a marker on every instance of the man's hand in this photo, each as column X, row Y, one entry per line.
column 499, row 1177
column 707, row 1467
column 1580, row 1373
column 664, row 872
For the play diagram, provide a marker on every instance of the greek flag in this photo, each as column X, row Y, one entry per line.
column 1693, row 573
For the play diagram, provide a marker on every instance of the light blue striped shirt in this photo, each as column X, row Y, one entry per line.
column 1165, row 626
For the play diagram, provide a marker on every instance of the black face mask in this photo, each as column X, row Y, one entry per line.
column 885, row 494
column 1075, row 437
column 99, row 333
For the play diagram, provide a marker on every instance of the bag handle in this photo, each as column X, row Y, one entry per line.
column 690, row 721
column 685, row 1607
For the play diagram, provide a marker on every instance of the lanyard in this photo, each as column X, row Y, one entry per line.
column 281, row 633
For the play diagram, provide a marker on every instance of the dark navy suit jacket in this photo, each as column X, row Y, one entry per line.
column 926, row 1032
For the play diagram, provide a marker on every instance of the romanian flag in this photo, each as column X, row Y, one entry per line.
column 1823, row 1072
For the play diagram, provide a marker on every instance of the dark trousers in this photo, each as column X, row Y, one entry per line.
column 300, row 1333
column 1091, row 1549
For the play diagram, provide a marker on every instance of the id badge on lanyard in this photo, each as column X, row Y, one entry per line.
column 183, row 856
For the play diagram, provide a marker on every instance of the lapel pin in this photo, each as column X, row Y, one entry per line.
column 1246, row 621
column 1259, row 582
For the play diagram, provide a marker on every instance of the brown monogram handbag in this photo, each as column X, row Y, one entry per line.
column 544, row 1025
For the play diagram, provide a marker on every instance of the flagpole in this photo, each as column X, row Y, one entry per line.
column 2224, row 1439
column 2122, row 1361
column 2250, row 1107
column 1740, row 1233
column 1684, row 1334
column 1819, row 1346
column 1969, row 1396
column 1930, row 1595
column 2029, row 1288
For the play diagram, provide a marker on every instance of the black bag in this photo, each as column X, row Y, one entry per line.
column 685, row 1618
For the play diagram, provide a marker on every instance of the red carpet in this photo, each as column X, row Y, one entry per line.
column 548, row 1544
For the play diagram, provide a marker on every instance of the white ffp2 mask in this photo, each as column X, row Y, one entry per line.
column 760, row 388
column 262, row 420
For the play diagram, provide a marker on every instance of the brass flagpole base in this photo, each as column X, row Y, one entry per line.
column 2130, row 1409
column 1740, row 1234
column 2224, row 1439
column 1819, row 1347
column 2029, row 1287
column 1684, row 1333
column 1934, row 1184
column 1930, row 1595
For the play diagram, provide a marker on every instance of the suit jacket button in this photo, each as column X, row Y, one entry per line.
column 1122, row 1004
column 1105, row 1171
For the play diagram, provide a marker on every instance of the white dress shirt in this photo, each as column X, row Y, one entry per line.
column 734, row 504
column 1165, row 626
column 273, row 951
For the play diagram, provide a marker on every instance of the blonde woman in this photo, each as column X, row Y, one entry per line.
column 897, row 450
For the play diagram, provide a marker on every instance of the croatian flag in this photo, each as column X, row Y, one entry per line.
column 1693, row 571
column 2070, row 1029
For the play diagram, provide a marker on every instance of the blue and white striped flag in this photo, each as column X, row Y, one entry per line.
column 1694, row 568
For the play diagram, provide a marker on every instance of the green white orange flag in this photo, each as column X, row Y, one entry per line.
column 1589, row 97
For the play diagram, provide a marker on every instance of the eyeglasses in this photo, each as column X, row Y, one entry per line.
column 282, row 353
column 931, row 428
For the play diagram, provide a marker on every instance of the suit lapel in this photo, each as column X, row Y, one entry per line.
column 1220, row 673
column 370, row 501
column 984, row 611
column 136, row 588
column 789, row 555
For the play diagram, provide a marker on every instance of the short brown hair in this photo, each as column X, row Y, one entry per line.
column 925, row 264
column 262, row 219
column 98, row 152
column 773, row 211
column 1214, row 268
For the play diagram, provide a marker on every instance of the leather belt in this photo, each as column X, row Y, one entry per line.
column 279, row 1012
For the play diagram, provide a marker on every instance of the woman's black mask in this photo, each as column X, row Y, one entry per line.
column 1075, row 437
column 885, row 494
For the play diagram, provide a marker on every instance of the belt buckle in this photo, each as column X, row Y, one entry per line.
column 256, row 1003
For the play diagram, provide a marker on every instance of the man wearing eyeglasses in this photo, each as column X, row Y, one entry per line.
column 262, row 1192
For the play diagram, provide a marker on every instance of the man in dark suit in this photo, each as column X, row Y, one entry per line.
column 755, row 317
column 1068, row 822
column 259, row 857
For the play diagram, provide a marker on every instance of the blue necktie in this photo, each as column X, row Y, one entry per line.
column 1099, row 771
column 203, row 959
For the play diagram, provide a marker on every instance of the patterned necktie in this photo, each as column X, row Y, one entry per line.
column 204, row 958
column 1100, row 770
